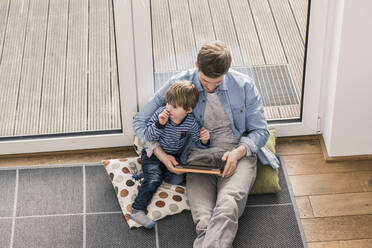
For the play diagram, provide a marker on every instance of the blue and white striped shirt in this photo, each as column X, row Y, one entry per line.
column 172, row 138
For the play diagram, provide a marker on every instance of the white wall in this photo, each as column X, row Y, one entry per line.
column 347, row 79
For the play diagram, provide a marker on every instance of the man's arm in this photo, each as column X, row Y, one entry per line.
column 255, row 121
column 141, row 119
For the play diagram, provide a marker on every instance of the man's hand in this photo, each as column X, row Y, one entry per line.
column 163, row 117
column 168, row 160
column 231, row 159
column 204, row 135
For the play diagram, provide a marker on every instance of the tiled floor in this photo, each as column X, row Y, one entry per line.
column 76, row 206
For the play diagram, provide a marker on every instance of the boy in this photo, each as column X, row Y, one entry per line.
column 172, row 126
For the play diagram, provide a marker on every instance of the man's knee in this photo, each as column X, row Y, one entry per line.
column 228, row 207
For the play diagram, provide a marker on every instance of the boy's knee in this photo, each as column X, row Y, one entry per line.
column 175, row 179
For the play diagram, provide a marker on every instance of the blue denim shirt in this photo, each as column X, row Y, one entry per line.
column 241, row 102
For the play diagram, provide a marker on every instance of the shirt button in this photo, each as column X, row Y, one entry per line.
column 241, row 110
column 203, row 100
column 201, row 116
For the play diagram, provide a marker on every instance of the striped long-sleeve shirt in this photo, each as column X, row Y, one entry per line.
column 172, row 138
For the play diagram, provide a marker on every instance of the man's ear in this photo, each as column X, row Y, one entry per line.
column 189, row 110
column 196, row 64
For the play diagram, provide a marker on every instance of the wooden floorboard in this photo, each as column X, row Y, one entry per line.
column 365, row 243
column 31, row 78
column 76, row 100
column 163, row 45
column 224, row 28
column 290, row 39
column 303, row 164
column 202, row 22
column 299, row 9
column 99, row 103
column 246, row 32
column 267, row 31
column 341, row 204
column 54, row 77
column 338, row 228
column 4, row 10
column 115, row 98
column 11, row 64
column 184, row 42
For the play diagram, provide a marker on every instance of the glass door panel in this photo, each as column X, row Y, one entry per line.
column 267, row 40
column 59, row 73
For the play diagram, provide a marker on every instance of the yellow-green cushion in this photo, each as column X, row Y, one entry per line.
column 267, row 179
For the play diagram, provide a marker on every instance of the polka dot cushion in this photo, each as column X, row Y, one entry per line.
column 168, row 200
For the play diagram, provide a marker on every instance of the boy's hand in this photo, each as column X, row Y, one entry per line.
column 163, row 117
column 204, row 135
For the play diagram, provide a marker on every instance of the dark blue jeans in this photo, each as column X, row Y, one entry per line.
column 154, row 172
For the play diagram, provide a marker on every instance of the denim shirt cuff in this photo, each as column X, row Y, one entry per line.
column 248, row 143
column 149, row 147
column 249, row 152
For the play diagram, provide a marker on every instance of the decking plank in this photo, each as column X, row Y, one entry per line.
column 75, row 106
column 11, row 64
column 53, row 92
column 300, row 11
column 183, row 35
column 163, row 46
column 202, row 22
column 28, row 106
column 225, row 29
column 115, row 99
column 246, row 33
column 267, row 32
column 4, row 10
column 99, row 102
column 291, row 39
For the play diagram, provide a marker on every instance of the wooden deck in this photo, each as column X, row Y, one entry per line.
column 258, row 32
column 58, row 67
column 58, row 58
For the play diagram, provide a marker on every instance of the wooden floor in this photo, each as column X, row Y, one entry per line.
column 57, row 67
column 334, row 199
column 258, row 32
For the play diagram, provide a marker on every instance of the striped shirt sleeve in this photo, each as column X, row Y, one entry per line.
column 195, row 135
column 153, row 128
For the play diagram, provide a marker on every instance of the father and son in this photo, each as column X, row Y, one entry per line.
column 202, row 113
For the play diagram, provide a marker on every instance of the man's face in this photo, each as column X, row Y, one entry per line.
column 210, row 84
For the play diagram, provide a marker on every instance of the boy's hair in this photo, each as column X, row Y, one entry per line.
column 182, row 94
column 214, row 59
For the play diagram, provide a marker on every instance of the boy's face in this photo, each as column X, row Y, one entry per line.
column 177, row 114
column 210, row 84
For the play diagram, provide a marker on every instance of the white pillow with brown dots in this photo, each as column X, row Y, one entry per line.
column 168, row 200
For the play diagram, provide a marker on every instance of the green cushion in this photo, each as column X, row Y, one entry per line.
column 267, row 179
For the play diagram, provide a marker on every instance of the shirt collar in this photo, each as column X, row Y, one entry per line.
column 221, row 87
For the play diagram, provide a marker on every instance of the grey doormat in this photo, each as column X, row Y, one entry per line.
column 274, row 82
column 76, row 206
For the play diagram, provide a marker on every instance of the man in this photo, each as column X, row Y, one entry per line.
column 230, row 108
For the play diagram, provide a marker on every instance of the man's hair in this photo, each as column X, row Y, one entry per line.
column 182, row 94
column 214, row 59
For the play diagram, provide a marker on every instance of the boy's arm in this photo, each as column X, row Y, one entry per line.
column 141, row 119
column 195, row 136
column 154, row 128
